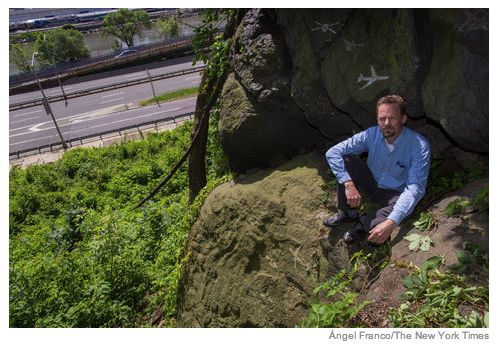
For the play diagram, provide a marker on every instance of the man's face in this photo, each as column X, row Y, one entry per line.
column 390, row 121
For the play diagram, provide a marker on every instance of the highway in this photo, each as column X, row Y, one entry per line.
column 92, row 114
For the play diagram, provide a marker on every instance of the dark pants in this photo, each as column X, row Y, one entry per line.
column 365, row 183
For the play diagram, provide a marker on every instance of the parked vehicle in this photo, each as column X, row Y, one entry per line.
column 126, row 52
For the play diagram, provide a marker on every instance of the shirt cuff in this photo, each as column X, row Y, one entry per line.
column 396, row 216
column 343, row 177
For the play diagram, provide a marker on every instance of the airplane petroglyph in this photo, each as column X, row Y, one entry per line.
column 325, row 27
column 370, row 79
column 351, row 45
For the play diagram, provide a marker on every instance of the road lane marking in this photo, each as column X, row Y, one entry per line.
column 35, row 127
column 37, row 139
column 27, row 113
column 169, row 110
column 133, row 75
column 113, row 95
column 112, row 100
column 92, row 114
column 22, row 120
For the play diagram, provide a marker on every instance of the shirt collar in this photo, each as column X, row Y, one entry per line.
column 398, row 140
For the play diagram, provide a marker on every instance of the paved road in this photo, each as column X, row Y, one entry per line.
column 31, row 127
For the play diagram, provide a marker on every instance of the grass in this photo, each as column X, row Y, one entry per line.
column 166, row 97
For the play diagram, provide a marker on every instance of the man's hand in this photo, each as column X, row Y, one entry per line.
column 352, row 194
column 382, row 231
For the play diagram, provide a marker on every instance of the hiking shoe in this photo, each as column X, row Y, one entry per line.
column 338, row 219
column 353, row 233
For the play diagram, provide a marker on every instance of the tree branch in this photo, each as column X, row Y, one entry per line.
column 172, row 172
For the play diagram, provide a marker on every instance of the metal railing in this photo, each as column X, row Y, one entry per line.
column 97, row 136
column 98, row 89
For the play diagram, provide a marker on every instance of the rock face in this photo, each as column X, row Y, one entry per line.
column 259, row 249
column 300, row 78
column 255, row 255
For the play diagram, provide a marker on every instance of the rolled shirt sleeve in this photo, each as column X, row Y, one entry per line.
column 416, row 183
column 356, row 144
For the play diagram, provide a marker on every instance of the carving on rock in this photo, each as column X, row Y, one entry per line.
column 325, row 27
column 351, row 45
column 371, row 79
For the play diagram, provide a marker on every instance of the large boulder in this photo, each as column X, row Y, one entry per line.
column 255, row 255
column 303, row 78
column 259, row 121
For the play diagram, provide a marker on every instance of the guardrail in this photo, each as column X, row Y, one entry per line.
column 88, row 91
column 95, row 137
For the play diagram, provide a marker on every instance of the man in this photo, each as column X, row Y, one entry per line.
column 395, row 173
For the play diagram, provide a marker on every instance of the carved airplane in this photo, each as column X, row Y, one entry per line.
column 325, row 27
column 371, row 79
column 351, row 45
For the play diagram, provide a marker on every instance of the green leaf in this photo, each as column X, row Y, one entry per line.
column 414, row 245
column 408, row 282
column 412, row 237
column 424, row 222
column 419, row 242
column 325, row 197
column 425, row 243
column 432, row 263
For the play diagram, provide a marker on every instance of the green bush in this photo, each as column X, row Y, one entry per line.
column 78, row 256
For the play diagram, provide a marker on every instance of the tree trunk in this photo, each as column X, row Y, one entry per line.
column 197, row 157
column 203, row 106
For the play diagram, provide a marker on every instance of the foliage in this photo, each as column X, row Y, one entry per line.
column 62, row 44
column 419, row 242
column 125, row 24
column 168, row 27
column 329, row 186
column 424, row 222
column 456, row 206
column 427, row 221
column 441, row 181
column 481, row 201
column 460, row 205
column 187, row 92
column 344, row 308
column 435, row 299
column 208, row 36
column 474, row 256
column 78, row 257
column 20, row 57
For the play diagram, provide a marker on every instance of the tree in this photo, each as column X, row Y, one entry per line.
column 213, row 79
column 215, row 74
column 62, row 44
column 168, row 27
column 20, row 57
column 125, row 25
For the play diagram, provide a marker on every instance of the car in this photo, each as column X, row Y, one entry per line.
column 126, row 52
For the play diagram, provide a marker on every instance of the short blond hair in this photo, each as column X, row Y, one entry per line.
column 393, row 99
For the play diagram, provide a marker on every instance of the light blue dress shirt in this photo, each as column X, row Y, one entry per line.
column 404, row 169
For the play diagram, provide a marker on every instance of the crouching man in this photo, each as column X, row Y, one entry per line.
column 395, row 173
